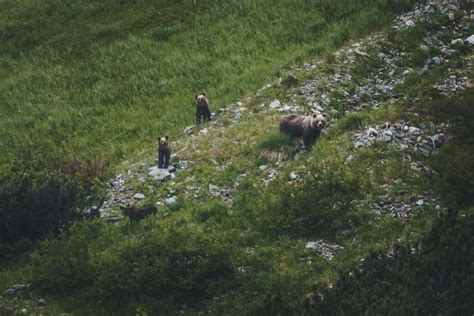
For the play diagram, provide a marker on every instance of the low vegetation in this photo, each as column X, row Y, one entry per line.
column 203, row 254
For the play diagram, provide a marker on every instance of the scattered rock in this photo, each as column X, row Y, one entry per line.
column 275, row 104
column 293, row 176
column 400, row 134
column 328, row 251
column 188, row 130
column 139, row 196
column 470, row 40
column 14, row 289
column 170, row 201
column 409, row 23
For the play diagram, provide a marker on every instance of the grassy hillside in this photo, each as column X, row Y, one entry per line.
column 87, row 85
column 320, row 232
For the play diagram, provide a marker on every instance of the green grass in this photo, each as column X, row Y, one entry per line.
column 201, row 255
column 87, row 87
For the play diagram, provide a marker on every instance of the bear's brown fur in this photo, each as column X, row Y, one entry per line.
column 138, row 213
column 202, row 108
column 308, row 127
column 164, row 152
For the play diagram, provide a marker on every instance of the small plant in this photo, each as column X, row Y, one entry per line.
column 289, row 81
column 163, row 33
column 278, row 147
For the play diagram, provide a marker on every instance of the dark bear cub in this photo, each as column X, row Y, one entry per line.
column 164, row 152
column 308, row 127
column 202, row 108
column 138, row 213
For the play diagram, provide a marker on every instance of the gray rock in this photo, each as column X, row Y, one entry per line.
column 275, row 104
column 14, row 289
column 160, row 174
column 328, row 251
column 293, row 176
column 420, row 202
column 457, row 41
column 188, row 130
column 387, row 135
column 409, row 23
column 170, row 201
column 139, row 196
column 437, row 60
column 372, row 132
column 414, row 130
column 263, row 167
column 437, row 140
column 213, row 187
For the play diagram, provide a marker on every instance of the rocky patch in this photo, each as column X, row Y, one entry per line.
column 326, row 250
column 402, row 135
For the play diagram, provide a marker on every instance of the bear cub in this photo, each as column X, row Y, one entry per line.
column 202, row 108
column 164, row 152
column 308, row 127
column 138, row 213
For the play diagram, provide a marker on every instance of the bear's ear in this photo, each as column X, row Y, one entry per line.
column 324, row 114
column 196, row 96
column 203, row 94
column 315, row 115
column 166, row 137
column 159, row 138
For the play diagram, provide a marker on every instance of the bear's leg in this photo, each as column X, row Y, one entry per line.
column 308, row 142
column 208, row 115
column 167, row 159
column 160, row 160
column 198, row 117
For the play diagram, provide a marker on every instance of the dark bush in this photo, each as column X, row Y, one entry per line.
column 40, row 199
column 175, row 263
column 434, row 277
column 321, row 204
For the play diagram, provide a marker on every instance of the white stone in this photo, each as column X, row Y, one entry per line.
column 170, row 201
column 139, row 196
column 293, row 176
column 470, row 40
column 275, row 104
column 213, row 187
column 457, row 41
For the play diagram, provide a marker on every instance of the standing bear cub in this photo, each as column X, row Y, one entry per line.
column 164, row 152
column 202, row 108
column 307, row 126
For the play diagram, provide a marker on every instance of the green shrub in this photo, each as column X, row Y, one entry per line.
column 434, row 277
column 177, row 263
column 321, row 204
column 454, row 161
column 38, row 197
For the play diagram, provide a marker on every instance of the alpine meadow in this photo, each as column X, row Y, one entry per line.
column 371, row 214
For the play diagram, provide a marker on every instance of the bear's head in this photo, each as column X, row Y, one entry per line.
column 318, row 121
column 163, row 143
column 201, row 100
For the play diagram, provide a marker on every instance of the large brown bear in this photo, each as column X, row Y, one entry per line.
column 138, row 213
column 307, row 126
column 164, row 152
column 202, row 108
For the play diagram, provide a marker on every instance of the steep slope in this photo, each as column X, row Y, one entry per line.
column 251, row 224
column 86, row 86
